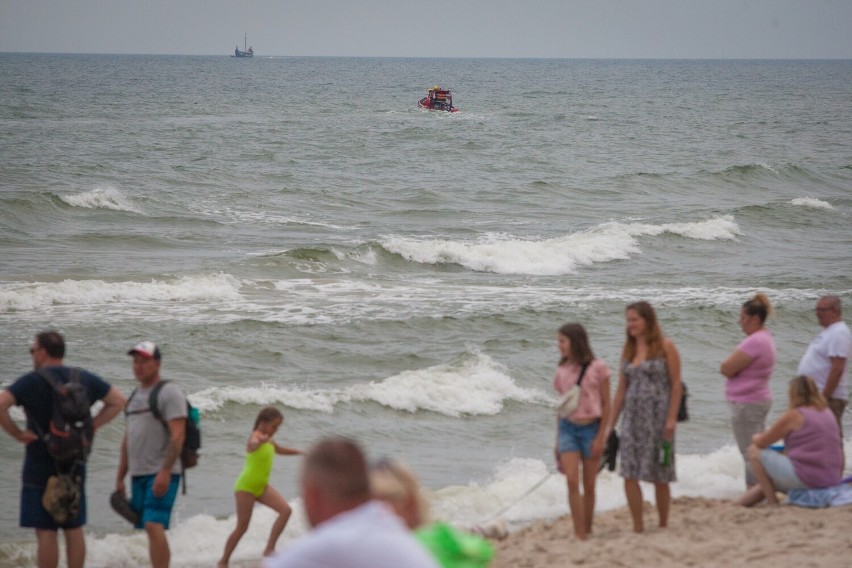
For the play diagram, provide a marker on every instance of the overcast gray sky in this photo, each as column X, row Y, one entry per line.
column 715, row 29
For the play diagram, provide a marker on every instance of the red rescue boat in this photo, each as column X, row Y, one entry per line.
column 438, row 99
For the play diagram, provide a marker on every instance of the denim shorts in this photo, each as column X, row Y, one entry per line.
column 577, row 438
column 153, row 509
column 779, row 467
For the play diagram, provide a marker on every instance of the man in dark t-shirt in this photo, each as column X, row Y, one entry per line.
column 35, row 395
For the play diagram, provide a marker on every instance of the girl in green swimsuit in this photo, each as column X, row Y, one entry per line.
column 253, row 483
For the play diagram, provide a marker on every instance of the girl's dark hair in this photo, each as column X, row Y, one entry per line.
column 581, row 351
column 268, row 414
column 758, row 306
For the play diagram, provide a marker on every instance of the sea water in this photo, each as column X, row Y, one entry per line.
column 296, row 232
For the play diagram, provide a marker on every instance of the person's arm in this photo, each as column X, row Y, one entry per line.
column 7, row 401
column 113, row 404
column 600, row 439
column 786, row 423
column 284, row 451
column 122, row 467
column 177, row 434
column 673, row 365
column 834, row 374
column 736, row 362
column 255, row 440
column 620, row 391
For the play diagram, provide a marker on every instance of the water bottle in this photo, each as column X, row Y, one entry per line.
column 666, row 453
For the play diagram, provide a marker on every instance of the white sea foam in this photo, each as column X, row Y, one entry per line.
column 811, row 202
column 475, row 385
column 41, row 295
column 506, row 254
column 222, row 298
column 101, row 198
column 718, row 475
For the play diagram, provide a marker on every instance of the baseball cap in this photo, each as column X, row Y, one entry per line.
column 146, row 349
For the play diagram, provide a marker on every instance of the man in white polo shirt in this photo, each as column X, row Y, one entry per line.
column 827, row 357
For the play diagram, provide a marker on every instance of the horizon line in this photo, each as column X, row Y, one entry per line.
column 583, row 58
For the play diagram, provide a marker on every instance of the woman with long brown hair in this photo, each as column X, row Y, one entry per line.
column 649, row 392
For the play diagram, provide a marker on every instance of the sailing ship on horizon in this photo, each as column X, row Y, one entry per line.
column 245, row 52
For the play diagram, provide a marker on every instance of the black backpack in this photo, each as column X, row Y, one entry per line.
column 70, row 432
column 192, row 439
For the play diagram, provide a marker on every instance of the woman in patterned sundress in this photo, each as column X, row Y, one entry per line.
column 648, row 393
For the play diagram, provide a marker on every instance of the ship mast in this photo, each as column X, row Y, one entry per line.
column 245, row 41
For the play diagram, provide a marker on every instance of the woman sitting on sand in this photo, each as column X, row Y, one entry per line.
column 812, row 456
column 748, row 370
column 649, row 391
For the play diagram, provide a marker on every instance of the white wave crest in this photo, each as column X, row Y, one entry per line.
column 101, row 198
column 716, row 229
column 504, row 254
column 474, row 385
column 811, row 202
column 217, row 287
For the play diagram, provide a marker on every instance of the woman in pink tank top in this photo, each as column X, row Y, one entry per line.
column 812, row 456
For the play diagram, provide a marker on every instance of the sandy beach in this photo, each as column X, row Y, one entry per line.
column 702, row 532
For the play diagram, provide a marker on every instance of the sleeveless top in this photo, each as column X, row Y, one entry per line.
column 815, row 449
column 255, row 474
column 643, row 422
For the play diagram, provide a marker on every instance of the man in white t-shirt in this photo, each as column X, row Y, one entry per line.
column 349, row 530
column 826, row 358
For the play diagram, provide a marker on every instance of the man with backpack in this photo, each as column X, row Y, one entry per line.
column 156, row 416
column 57, row 445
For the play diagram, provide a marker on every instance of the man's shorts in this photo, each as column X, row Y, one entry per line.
column 576, row 438
column 153, row 509
column 780, row 469
column 33, row 514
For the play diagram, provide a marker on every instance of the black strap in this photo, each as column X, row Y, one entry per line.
column 152, row 403
column 582, row 373
column 155, row 410
column 54, row 381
